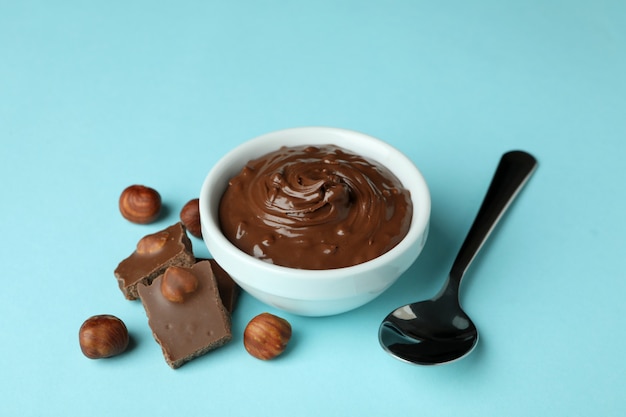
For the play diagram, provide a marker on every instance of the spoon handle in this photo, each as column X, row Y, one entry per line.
column 512, row 173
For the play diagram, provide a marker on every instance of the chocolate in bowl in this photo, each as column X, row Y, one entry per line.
column 307, row 291
column 315, row 207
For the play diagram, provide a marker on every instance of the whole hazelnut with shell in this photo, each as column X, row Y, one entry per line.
column 190, row 217
column 266, row 336
column 103, row 336
column 178, row 283
column 140, row 204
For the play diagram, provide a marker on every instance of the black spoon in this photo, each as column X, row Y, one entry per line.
column 436, row 331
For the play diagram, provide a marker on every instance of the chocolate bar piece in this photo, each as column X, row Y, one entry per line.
column 185, row 312
column 154, row 254
column 229, row 290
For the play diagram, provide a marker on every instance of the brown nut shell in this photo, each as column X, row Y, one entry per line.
column 266, row 336
column 153, row 243
column 178, row 283
column 103, row 336
column 140, row 204
column 190, row 217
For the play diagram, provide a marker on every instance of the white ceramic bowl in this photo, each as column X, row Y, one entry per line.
column 315, row 292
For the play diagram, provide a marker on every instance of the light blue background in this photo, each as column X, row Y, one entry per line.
column 95, row 96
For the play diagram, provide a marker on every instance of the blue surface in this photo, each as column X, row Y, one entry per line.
column 95, row 96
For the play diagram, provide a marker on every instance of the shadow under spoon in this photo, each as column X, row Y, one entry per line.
column 437, row 331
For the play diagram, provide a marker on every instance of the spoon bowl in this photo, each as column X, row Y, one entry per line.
column 429, row 332
column 438, row 331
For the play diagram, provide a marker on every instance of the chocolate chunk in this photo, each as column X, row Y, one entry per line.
column 229, row 290
column 154, row 254
column 190, row 327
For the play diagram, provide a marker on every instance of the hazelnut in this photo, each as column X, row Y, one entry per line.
column 140, row 204
column 152, row 243
column 190, row 216
column 178, row 283
column 266, row 336
column 103, row 336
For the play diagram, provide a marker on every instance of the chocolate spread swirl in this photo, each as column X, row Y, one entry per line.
column 315, row 207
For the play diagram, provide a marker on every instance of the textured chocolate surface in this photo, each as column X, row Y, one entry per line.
column 154, row 254
column 315, row 207
column 229, row 290
column 192, row 328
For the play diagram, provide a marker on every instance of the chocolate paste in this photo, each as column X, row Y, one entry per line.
column 315, row 207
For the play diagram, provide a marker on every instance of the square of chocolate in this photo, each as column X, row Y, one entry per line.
column 154, row 254
column 228, row 288
column 185, row 312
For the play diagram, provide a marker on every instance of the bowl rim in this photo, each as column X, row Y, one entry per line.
column 210, row 223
